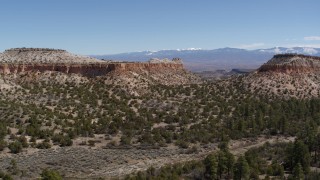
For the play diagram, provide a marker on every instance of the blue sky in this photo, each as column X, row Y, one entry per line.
column 115, row 26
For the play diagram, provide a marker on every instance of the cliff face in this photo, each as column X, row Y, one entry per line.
column 22, row 60
column 287, row 76
column 97, row 69
column 291, row 63
column 148, row 67
column 58, row 66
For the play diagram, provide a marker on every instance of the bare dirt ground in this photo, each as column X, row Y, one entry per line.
column 86, row 163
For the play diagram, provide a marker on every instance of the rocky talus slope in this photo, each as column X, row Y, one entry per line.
column 287, row 76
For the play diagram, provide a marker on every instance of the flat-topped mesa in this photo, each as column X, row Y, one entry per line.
column 42, row 55
column 23, row 60
column 34, row 49
column 174, row 60
column 291, row 63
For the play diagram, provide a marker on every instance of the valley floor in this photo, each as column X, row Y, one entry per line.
column 86, row 163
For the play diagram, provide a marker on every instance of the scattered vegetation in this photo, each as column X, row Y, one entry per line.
column 46, row 113
column 276, row 161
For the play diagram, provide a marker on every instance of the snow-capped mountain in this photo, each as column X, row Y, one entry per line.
column 197, row 59
column 298, row 50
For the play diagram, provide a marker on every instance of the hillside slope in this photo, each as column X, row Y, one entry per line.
column 135, row 116
column 33, row 64
column 286, row 76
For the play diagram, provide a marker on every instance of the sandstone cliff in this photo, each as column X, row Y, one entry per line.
column 92, row 69
column 22, row 60
column 289, row 63
column 286, row 76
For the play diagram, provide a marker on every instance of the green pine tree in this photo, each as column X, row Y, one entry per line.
column 298, row 172
column 211, row 166
column 241, row 169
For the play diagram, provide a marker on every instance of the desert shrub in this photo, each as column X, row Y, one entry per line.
column 23, row 141
column 43, row 145
column 15, row 147
column 3, row 144
column 62, row 140
column 48, row 174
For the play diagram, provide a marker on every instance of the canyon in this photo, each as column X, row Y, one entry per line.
column 91, row 119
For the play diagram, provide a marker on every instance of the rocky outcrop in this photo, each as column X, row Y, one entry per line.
column 286, row 76
column 34, row 50
column 22, row 60
column 150, row 67
column 291, row 63
column 94, row 69
column 167, row 61
column 83, row 69
column 42, row 55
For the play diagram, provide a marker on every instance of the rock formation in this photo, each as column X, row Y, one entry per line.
column 287, row 76
column 167, row 61
column 21, row 60
column 42, row 55
column 44, row 65
column 289, row 63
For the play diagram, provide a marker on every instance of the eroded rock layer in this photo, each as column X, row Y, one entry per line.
column 286, row 76
column 93, row 69
column 288, row 63
column 22, row 60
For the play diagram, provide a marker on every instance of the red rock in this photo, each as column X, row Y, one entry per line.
column 291, row 63
column 95, row 69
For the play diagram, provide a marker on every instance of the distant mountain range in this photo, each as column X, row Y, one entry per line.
column 208, row 60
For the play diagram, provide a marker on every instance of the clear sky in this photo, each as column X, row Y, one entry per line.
column 115, row 26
